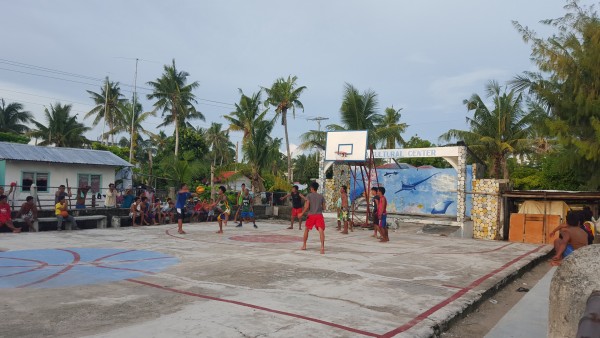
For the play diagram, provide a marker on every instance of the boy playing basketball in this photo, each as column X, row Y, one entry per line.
column 247, row 213
column 314, row 206
column 297, row 199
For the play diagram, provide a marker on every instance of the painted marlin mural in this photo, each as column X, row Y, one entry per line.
column 413, row 186
column 390, row 173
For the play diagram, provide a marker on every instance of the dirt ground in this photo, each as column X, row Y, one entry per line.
column 479, row 322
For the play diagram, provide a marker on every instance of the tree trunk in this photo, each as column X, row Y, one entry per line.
column 212, row 180
column 176, row 135
column 131, row 142
column 504, row 168
column 287, row 146
column 497, row 166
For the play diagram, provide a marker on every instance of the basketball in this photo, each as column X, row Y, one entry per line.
column 64, row 213
column 199, row 189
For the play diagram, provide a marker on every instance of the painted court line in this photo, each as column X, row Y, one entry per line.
column 289, row 314
column 454, row 297
column 416, row 320
column 76, row 259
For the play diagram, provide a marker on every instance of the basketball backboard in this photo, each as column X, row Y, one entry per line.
column 346, row 145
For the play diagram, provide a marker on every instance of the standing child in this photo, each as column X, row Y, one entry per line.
column 247, row 210
column 297, row 199
column 382, row 213
column 222, row 207
column 182, row 196
column 375, row 210
column 343, row 206
column 314, row 206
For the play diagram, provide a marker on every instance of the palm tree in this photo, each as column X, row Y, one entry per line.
column 284, row 95
column 131, row 124
column 390, row 129
column 108, row 106
column 218, row 142
column 359, row 112
column 497, row 133
column 313, row 139
column 259, row 153
column 246, row 113
column 175, row 98
column 60, row 128
column 13, row 117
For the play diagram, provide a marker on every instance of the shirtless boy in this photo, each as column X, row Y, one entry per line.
column 382, row 214
column 314, row 206
column 29, row 213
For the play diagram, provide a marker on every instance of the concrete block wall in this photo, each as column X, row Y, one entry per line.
column 486, row 209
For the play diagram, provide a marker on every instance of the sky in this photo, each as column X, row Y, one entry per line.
column 424, row 57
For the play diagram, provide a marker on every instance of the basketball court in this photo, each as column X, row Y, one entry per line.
column 153, row 282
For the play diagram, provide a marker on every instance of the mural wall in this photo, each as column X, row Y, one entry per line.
column 423, row 190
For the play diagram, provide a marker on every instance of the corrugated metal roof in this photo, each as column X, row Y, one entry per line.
column 26, row 152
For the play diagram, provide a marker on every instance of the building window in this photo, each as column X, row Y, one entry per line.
column 92, row 180
column 40, row 180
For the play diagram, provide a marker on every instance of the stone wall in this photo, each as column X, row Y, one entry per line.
column 572, row 284
column 341, row 176
column 487, row 209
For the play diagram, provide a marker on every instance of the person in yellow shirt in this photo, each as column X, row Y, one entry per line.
column 63, row 215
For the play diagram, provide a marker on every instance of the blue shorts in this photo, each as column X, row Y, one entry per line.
column 383, row 221
column 79, row 206
column 568, row 250
column 247, row 214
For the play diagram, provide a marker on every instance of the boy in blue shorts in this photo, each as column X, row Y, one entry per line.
column 247, row 213
column 182, row 196
column 382, row 215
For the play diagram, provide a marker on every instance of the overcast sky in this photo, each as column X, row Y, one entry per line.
column 422, row 56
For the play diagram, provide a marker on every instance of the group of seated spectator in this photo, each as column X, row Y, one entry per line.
column 144, row 212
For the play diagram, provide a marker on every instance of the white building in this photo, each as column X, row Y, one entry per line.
column 49, row 167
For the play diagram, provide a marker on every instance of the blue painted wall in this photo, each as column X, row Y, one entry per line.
column 419, row 191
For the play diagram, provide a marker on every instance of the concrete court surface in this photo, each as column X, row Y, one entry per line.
column 153, row 282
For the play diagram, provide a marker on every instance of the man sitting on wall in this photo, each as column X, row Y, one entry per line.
column 570, row 239
column 29, row 213
column 5, row 218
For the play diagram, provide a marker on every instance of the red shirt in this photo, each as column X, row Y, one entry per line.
column 4, row 212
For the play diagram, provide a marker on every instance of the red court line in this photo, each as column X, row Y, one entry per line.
column 111, row 255
column 472, row 252
column 76, row 259
column 125, row 269
column 454, row 297
column 187, row 293
column 137, row 260
column 167, row 232
column 40, row 266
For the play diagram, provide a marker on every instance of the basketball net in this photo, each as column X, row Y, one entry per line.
column 340, row 156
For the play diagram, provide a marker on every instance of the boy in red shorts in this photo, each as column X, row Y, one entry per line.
column 314, row 206
column 297, row 199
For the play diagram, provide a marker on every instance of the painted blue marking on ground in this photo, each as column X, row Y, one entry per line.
column 55, row 268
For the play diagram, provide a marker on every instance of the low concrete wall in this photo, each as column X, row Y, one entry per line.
column 108, row 212
column 572, row 284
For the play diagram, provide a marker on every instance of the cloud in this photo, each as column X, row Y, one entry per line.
column 452, row 90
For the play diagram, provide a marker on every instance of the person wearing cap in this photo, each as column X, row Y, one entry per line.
column 5, row 217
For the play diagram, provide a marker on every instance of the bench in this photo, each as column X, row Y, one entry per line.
column 100, row 221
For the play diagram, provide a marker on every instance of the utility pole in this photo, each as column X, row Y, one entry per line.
column 132, row 137
column 105, row 110
column 318, row 119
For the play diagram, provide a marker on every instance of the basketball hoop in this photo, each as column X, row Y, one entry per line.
column 340, row 156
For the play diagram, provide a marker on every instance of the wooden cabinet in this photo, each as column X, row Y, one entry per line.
column 532, row 228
